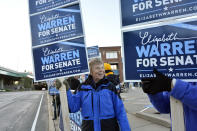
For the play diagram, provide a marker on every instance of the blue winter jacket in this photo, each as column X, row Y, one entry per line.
column 187, row 94
column 101, row 107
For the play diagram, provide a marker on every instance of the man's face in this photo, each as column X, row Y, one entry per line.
column 98, row 72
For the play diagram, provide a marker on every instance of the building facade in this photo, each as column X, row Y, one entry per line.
column 112, row 55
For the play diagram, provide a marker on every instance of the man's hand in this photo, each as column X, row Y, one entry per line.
column 158, row 84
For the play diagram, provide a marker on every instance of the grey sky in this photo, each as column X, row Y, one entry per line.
column 101, row 24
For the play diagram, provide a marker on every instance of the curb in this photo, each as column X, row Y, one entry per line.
column 154, row 119
column 51, row 123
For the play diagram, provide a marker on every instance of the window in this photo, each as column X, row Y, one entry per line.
column 111, row 55
column 114, row 67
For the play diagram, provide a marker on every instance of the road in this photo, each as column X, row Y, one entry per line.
column 19, row 111
column 135, row 101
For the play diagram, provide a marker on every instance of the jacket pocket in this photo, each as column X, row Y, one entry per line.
column 106, row 105
column 87, row 110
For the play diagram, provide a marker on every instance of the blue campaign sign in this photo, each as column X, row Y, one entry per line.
column 172, row 49
column 76, row 121
column 65, row 58
column 139, row 11
column 93, row 51
column 53, row 90
column 36, row 6
column 56, row 25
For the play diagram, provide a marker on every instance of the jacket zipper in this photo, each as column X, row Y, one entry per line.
column 92, row 104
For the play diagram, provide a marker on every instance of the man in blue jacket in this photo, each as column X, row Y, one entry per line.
column 101, row 107
column 160, row 89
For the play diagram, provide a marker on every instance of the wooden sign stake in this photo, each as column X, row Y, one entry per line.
column 177, row 116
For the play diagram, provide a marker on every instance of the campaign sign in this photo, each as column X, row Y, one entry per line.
column 172, row 49
column 51, row 87
column 139, row 11
column 76, row 121
column 53, row 90
column 60, row 59
column 56, row 25
column 36, row 6
column 93, row 51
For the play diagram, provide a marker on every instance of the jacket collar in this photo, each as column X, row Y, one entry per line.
column 90, row 81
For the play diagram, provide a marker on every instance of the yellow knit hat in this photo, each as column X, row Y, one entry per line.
column 107, row 66
column 108, row 69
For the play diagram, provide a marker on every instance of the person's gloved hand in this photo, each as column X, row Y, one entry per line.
column 65, row 82
column 158, row 84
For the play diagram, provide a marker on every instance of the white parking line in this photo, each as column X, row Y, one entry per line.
column 144, row 109
column 37, row 114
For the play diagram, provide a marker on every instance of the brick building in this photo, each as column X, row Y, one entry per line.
column 112, row 55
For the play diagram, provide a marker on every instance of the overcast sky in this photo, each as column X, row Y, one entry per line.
column 101, row 26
